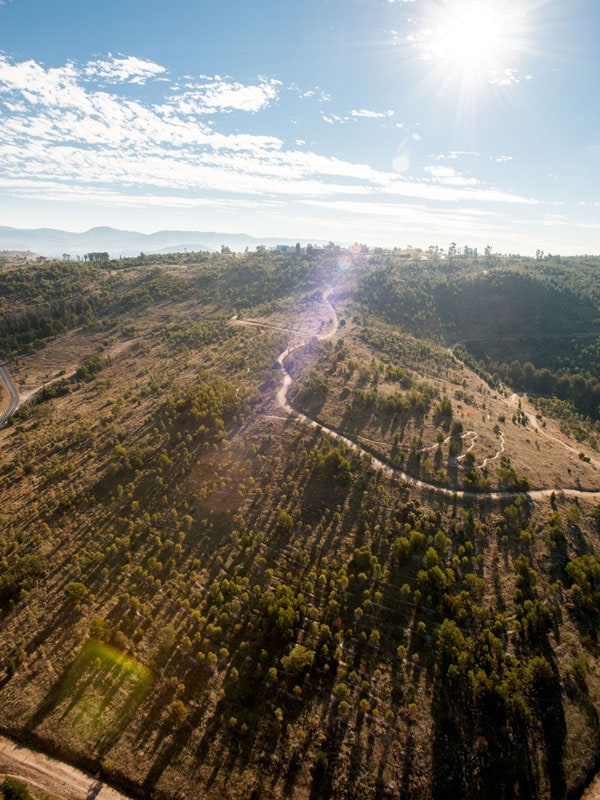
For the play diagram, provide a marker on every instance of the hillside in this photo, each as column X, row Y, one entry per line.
column 380, row 582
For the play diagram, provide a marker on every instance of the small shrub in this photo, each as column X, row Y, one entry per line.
column 15, row 790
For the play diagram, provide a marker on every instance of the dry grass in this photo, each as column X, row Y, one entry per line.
column 96, row 708
column 545, row 457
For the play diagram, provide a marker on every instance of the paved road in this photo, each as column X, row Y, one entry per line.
column 13, row 395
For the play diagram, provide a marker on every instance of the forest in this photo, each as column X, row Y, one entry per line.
column 380, row 582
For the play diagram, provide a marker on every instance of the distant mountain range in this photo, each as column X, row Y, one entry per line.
column 56, row 243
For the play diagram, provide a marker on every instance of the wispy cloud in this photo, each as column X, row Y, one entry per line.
column 453, row 193
column 331, row 119
column 126, row 69
column 454, row 154
column 224, row 95
column 317, row 92
column 449, row 176
column 63, row 135
column 364, row 112
column 507, row 77
column 357, row 113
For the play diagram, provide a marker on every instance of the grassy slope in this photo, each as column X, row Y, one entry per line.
column 213, row 537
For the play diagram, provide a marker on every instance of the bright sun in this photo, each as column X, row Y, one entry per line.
column 469, row 39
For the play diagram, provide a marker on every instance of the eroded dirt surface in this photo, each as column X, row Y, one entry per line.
column 51, row 776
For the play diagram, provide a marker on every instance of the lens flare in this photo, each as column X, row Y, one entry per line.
column 343, row 264
column 111, row 657
column 103, row 688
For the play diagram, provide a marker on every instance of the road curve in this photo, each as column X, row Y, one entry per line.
column 282, row 399
column 13, row 395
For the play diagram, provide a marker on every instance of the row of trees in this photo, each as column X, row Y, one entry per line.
column 582, row 392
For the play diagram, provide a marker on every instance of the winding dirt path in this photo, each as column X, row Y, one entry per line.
column 412, row 480
column 63, row 781
column 513, row 402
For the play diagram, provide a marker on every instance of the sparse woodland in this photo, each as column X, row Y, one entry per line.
column 202, row 595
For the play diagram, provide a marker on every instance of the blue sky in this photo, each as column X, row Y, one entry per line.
column 390, row 122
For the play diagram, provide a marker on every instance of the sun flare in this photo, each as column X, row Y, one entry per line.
column 471, row 39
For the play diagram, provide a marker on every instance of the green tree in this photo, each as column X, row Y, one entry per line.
column 100, row 629
column 298, row 659
column 15, row 790
column 76, row 591
column 178, row 712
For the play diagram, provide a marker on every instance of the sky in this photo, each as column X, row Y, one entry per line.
column 388, row 122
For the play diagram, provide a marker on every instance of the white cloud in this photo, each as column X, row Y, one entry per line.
column 331, row 119
column 449, row 176
column 454, row 154
column 356, row 114
column 123, row 70
column 455, row 194
column 316, row 92
column 221, row 95
column 507, row 77
column 502, row 159
column 363, row 112
column 63, row 137
column 37, row 85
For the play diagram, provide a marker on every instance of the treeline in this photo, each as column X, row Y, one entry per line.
column 39, row 284
column 27, row 329
column 37, row 303
column 231, row 281
column 54, row 299
column 525, row 324
column 403, row 294
column 522, row 300
column 417, row 400
column 510, row 305
column 245, row 281
column 583, row 393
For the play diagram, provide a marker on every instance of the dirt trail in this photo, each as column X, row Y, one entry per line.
column 52, row 776
column 282, row 399
column 513, row 402
column 63, row 781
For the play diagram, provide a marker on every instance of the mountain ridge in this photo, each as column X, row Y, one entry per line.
column 54, row 242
